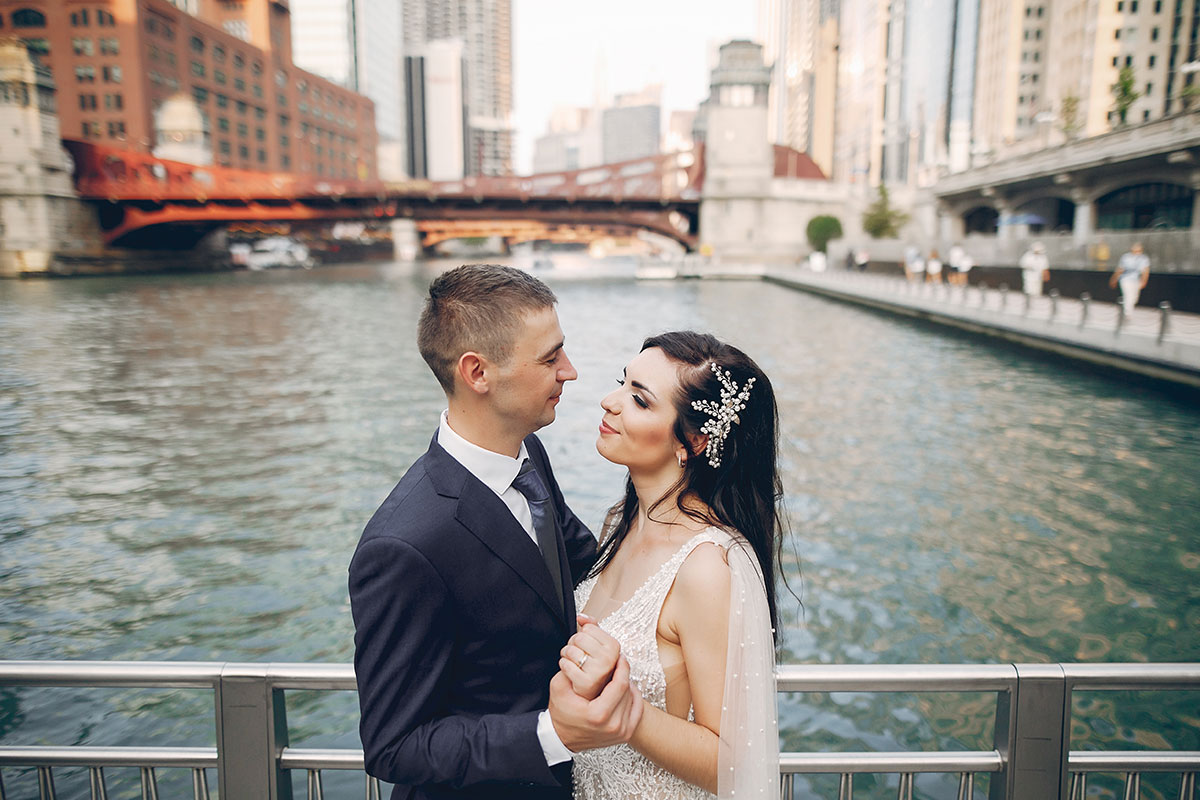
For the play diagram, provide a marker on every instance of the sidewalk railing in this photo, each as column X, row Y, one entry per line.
column 1030, row 755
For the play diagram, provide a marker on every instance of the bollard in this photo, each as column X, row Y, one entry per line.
column 1053, row 304
column 1028, row 303
column 1085, row 300
column 1004, row 297
column 1164, row 320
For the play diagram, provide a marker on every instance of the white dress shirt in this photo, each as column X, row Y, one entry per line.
column 497, row 472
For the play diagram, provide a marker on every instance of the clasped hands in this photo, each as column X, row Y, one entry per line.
column 592, row 701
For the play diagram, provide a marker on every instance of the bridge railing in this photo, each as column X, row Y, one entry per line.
column 1030, row 755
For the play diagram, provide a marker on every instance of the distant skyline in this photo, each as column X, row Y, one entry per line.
column 557, row 47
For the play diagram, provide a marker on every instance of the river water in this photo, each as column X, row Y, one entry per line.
column 186, row 463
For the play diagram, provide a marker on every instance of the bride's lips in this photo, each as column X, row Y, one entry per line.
column 605, row 428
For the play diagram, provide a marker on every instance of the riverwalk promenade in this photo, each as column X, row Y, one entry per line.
column 1158, row 343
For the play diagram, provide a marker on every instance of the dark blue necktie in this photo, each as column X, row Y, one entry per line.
column 529, row 483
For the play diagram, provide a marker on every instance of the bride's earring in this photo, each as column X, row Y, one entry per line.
column 679, row 458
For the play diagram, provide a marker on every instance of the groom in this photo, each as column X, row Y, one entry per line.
column 461, row 586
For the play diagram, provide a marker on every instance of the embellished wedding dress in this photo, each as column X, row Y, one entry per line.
column 748, row 754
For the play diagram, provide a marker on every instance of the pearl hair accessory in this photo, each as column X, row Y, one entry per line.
column 722, row 415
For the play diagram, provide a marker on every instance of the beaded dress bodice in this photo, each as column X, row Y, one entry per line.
column 620, row 772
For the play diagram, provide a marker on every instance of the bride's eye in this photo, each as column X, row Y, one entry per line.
column 642, row 403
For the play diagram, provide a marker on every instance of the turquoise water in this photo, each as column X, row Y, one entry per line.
column 186, row 463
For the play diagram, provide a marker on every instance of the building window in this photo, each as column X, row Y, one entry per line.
column 303, row 107
column 281, row 100
column 1133, row 6
column 171, row 57
column 285, row 161
column 28, row 18
column 243, row 151
column 222, row 124
column 256, row 68
column 85, row 74
column 237, row 28
column 260, row 114
column 197, row 44
column 200, row 95
column 1154, row 34
column 1040, row 10
column 79, row 19
column 256, row 90
column 105, row 19
column 284, row 141
column 238, row 61
column 91, row 130
column 222, row 101
column 260, row 134
column 87, row 102
column 218, row 54
column 262, row 156
column 116, row 129
column 241, row 106
column 223, row 147
column 82, row 46
column 219, row 76
column 239, row 84
column 197, row 69
column 1157, row 6
column 280, row 78
column 114, row 102
column 1145, row 115
column 284, row 122
column 1152, row 60
column 1117, row 33
column 1129, row 61
column 1120, row 6
column 242, row 130
column 112, row 74
column 109, row 46
column 1149, row 89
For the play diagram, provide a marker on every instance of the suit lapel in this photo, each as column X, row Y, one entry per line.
column 484, row 514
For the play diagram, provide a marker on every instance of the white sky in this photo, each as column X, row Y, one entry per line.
column 558, row 44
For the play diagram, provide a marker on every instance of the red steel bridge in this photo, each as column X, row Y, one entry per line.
column 147, row 202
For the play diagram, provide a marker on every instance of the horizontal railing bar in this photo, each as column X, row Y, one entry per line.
column 1134, row 761
column 318, row 758
column 111, row 674
column 896, row 677
column 311, row 676
column 91, row 756
column 1132, row 677
column 973, row 761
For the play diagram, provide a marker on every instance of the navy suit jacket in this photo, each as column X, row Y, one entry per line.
column 457, row 635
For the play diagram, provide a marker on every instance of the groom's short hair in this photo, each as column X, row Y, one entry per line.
column 476, row 308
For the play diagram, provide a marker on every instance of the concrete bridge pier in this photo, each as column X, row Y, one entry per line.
column 406, row 240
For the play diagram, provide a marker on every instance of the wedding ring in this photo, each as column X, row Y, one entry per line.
column 583, row 660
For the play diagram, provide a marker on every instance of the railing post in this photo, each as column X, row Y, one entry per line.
column 1085, row 300
column 1037, row 763
column 251, row 732
column 1164, row 320
column 1053, row 293
column 1004, row 297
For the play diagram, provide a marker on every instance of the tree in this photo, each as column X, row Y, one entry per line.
column 1124, row 93
column 1189, row 94
column 880, row 220
column 1069, row 115
column 821, row 229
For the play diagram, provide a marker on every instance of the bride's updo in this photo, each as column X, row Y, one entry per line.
column 735, row 476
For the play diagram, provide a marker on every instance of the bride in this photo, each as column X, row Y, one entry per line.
column 685, row 577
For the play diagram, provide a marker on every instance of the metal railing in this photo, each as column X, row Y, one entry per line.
column 1030, row 757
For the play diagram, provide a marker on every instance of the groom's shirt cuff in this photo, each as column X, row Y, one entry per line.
column 552, row 747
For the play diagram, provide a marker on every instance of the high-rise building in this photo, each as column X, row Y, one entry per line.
column 1046, row 68
column 118, row 62
column 437, row 132
column 572, row 141
column 630, row 128
column 485, row 29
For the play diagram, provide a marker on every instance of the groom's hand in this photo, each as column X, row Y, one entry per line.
column 589, row 658
column 587, row 724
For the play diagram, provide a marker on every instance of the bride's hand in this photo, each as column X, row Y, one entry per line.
column 589, row 658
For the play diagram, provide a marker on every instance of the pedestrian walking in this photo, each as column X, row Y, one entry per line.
column 1035, row 270
column 933, row 268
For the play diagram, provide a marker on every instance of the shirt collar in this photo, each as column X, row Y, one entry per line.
column 494, row 470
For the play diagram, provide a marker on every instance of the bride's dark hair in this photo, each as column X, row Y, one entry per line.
column 743, row 493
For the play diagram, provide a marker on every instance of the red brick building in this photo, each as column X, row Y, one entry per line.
column 116, row 61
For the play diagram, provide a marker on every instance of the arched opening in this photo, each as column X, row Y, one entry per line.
column 28, row 18
column 981, row 219
column 1146, row 206
column 1047, row 215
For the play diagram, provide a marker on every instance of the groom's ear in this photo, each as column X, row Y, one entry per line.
column 472, row 372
